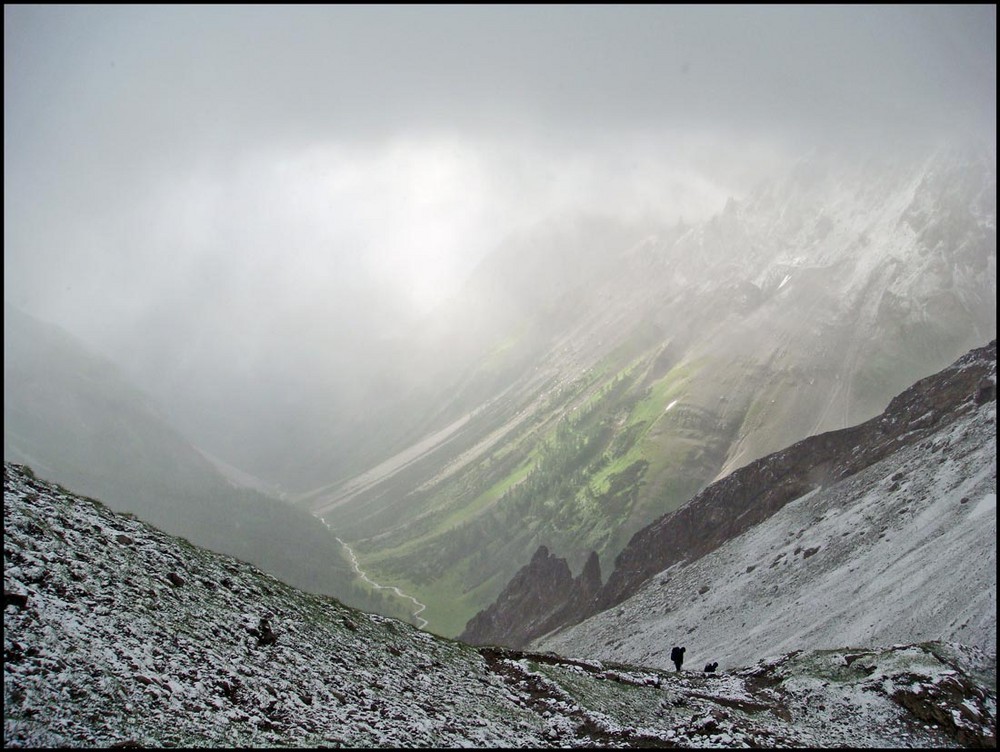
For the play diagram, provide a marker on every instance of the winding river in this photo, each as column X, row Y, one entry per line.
column 354, row 563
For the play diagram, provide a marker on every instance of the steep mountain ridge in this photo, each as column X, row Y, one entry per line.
column 116, row 634
column 751, row 495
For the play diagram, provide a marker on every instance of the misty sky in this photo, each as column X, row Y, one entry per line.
column 244, row 180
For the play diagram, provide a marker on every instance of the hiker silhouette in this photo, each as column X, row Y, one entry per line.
column 677, row 656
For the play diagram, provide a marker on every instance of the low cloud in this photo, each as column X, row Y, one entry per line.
column 264, row 182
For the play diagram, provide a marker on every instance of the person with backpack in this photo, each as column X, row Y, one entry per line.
column 677, row 656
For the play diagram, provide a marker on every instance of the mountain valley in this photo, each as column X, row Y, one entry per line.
column 636, row 382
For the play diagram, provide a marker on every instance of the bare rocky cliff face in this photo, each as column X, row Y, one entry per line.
column 542, row 596
column 724, row 510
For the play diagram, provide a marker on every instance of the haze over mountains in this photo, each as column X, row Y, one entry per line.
column 615, row 391
column 873, row 233
column 596, row 329
column 592, row 375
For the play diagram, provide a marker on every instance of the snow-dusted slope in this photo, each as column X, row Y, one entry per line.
column 116, row 634
column 903, row 551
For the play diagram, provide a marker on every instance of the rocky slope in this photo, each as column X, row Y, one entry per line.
column 116, row 634
column 919, row 417
column 541, row 596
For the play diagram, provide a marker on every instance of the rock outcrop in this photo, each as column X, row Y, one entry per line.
column 543, row 592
